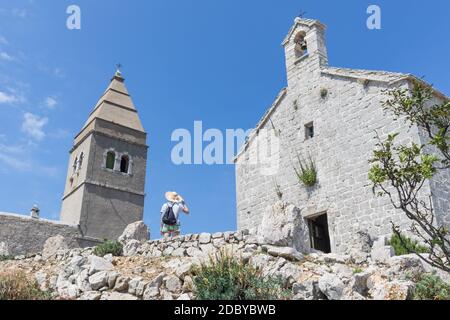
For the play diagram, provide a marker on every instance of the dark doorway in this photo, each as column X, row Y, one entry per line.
column 318, row 233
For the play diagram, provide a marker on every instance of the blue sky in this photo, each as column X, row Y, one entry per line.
column 216, row 61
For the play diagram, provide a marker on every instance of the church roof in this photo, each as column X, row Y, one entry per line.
column 116, row 106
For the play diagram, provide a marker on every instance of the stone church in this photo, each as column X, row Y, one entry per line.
column 104, row 190
column 329, row 115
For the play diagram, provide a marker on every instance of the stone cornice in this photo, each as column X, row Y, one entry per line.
column 103, row 185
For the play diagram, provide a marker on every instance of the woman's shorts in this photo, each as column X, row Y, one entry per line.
column 166, row 228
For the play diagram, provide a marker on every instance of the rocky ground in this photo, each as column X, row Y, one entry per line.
column 161, row 269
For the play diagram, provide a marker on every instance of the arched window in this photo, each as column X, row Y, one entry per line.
column 124, row 164
column 75, row 164
column 301, row 47
column 110, row 160
column 80, row 161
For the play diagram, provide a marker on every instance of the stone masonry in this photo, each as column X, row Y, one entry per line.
column 24, row 235
column 344, row 107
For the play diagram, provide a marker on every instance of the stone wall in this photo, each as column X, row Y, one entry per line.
column 164, row 270
column 193, row 245
column 24, row 235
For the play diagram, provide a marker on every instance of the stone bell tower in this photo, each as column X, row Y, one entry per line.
column 104, row 190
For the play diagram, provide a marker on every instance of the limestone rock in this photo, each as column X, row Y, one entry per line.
column 204, row 238
column 112, row 278
column 188, row 284
column 179, row 252
column 150, row 293
column 68, row 291
column 4, row 249
column 359, row 283
column 133, row 284
column 166, row 295
column 116, row 296
column 53, row 245
column 173, row 284
column 331, row 286
column 307, row 290
column 98, row 280
column 82, row 281
column 381, row 254
column 99, row 264
column 285, row 252
column 90, row 296
column 282, row 225
column 131, row 247
column 394, row 290
column 140, row 288
column 407, row 263
column 183, row 269
column 194, row 252
column 157, row 282
column 41, row 278
column 217, row 235
column 135, row 231
column 121, row 284
column 184, row 296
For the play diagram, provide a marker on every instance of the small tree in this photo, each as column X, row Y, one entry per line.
column 400, row 171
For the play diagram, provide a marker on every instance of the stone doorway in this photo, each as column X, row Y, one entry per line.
column 318, row 233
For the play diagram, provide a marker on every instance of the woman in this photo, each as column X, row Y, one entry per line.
column 170, row 214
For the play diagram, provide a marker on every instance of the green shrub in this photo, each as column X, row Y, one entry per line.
column 107, row 247
column 6, row 258
column 406, row 246
column 225, row 277
column 431, row 287
column 357, row 270
column 17, row 286
column 306, row 171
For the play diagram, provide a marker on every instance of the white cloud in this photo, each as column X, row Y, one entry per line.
column 59, row 73
column 3, row 40
column 33, row 126
column 21, row 159
column 21, row 13
column 50, row 102
column 8, row 98
column 5, row 56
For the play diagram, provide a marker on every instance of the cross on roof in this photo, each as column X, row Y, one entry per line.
column 302, row 14
column 118, row 66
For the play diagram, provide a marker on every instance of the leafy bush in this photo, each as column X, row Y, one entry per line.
column 225, row 277
column 17, row 286
column 357, row 270
column 405, row 245
column 6, row 258
column 107, row 247
column 306, row 171
column 431, row 287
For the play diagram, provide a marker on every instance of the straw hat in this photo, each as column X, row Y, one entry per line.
column 173, row 197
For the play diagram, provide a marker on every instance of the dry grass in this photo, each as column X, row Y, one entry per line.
column 18, row 286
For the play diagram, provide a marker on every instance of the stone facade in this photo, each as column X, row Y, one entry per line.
column 104, row 197
column 24, row 235
column 344, row 108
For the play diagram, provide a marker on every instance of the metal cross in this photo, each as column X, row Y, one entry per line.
column 118, row 66
column 302, row 14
